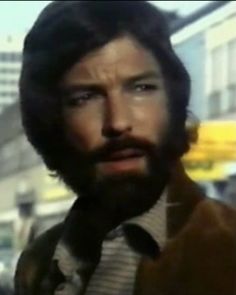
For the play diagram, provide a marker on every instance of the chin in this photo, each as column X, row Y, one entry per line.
column 127, row 194
column 126, row 176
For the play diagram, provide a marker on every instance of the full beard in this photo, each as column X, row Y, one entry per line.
column 124, row 195
column 130, row 194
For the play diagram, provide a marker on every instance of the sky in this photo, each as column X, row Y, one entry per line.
column 16, row 17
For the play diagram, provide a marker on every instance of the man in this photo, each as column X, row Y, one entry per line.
column 104, row 102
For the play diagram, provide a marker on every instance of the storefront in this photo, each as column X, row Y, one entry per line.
column 212, row 158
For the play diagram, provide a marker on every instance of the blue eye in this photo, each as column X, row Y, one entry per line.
column 145, row 87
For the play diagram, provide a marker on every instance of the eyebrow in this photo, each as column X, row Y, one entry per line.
column 70, row 89
column 93, row 86
column 144, row 76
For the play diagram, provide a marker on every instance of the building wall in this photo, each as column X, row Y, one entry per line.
column 221, row 68
column 208, row 49
column 193, row 54
column 204, row 47
column 19, row 164
column 16, row 154
column 10, row 65
column 37, row 179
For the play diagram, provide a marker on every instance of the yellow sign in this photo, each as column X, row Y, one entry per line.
column 216, row 142
column 206, row 171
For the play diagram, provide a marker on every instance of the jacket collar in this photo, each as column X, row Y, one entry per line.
column 184, row 195
column 152, row 221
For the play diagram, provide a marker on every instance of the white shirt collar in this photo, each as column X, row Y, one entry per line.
column 152, row 221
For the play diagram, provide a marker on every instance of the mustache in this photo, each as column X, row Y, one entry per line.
column 112, row 146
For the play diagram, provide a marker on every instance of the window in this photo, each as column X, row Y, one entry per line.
column 10, row 57
column 5, row 98
column 9, row 94
column 217, row 66
column 232, row 62
column 232, row 97
column 231, row 77
column 8, row 82
column 215, row 98
column 214, row 104
column 9, row 71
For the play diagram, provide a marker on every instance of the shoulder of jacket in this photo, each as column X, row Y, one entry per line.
column 35, row 259
column 215, row 213
column 212, row 221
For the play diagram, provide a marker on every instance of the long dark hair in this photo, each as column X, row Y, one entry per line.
column 66, row 31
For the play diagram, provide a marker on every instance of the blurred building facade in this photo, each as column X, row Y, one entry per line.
column 31, row 200
column 24, row 180
column 10, row 64
column 206, row 43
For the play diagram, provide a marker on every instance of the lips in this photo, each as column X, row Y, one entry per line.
column 123, row 154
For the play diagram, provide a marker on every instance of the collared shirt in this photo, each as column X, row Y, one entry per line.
column 116, row 271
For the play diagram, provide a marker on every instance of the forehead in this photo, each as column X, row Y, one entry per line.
column 119, row 58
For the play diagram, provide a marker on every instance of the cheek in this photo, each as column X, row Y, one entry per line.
column 152, row 120
column 84, row 128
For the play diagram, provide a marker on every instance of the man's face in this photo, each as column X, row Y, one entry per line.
column 115, row 108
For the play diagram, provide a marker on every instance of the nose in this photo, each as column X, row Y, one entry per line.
column 117, row 121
